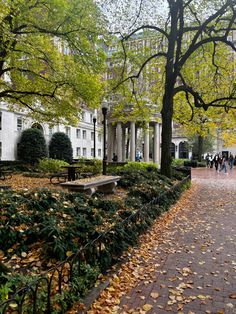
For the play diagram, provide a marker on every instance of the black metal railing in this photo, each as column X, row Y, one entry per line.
column 41, row 295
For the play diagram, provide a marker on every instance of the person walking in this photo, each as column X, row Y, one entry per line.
column 216, row 161
column 231, row 162
column 224, row 164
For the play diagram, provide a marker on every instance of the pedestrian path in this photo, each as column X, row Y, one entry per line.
column 187, row 262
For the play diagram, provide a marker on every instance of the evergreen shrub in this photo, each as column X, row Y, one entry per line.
column 32, row 146
column 60, row 147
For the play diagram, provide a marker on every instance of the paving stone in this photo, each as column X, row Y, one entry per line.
column 202, row 238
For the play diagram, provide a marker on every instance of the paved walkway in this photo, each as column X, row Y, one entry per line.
column 187, row 262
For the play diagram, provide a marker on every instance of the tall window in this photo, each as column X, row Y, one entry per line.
column 78, row 133
column 91, row 118
column 84, row 151
column 99, row 137
column 83, row 116
column 99, row 152
column 50, row 131
column 84, row 134
column 78, row 151
column 0, row 120
column 68, row 131
column 0, row 150
column 92, row 136
column 19, row 124
column 92, row 152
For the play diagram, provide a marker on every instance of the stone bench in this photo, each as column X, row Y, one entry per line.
column 104, row 184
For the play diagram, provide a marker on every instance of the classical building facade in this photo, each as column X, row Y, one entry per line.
column 82, row 137
column 132, row 141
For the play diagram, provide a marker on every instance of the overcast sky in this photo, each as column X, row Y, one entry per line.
column 124, row 15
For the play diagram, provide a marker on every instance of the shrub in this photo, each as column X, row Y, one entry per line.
column 190, row 163
column 60, row 147
column 133, row 165
column 178, row 162
column 93, row 165
column 201, row 164
column 32, row 146
column 51, row 165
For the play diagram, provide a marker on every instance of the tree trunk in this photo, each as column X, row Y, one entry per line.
column 166, row 136
column 200, row 147
column 170, row 80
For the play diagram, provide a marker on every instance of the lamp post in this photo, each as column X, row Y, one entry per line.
column 94, row 137
column 104, row 161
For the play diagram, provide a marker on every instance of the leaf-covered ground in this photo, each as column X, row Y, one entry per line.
column 18, row 181
column 186, row 263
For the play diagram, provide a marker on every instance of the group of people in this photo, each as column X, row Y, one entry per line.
column 220, row 162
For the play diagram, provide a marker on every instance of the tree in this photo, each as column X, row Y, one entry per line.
column 213, row 122
column 206, row 145
column 182, row 29
column 32, row 146
column 51, row 57
column 60, row 147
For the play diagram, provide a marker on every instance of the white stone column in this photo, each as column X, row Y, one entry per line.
column 132, row 141
column 123, row 143
column 177, row 150
column 156, row 143
column 119, row 141
column 110, row 142
column 146, row 143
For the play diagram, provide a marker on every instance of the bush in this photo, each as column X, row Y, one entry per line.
column 178, row 162
column 60, row 147
column 134, row 165
column 51, row 165
column 32, row 146
column 201, row 164
column 190, row 163
column 90, row 165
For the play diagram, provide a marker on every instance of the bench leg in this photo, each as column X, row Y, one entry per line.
column 89, row 191
column 107, row 188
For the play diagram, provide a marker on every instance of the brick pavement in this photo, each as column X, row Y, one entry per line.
column 190, row 265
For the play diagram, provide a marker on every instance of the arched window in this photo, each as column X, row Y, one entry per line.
column 37, row 126
column 172, row 150
column 183, row 150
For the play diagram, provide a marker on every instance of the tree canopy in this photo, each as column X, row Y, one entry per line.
column 51, row 57
column 184, row 30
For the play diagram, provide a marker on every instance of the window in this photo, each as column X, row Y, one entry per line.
column 92, row 152
column 19, row 124
column 50, row 131
column 91, row 118
column 99, row 152
column 83, row 116
column 99, row 137
column 92, row 136
column 68, row 131
column 78, row 151
column 0, row 150
column 84, row 152
column 84, row 134
column 0, row 120
column 78, row 133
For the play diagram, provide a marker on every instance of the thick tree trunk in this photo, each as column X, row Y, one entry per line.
column 200, row 147
column 166, row 136
column 170, row 80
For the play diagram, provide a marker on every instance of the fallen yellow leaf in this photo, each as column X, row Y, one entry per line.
column 154, row 295
column 147, row 307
